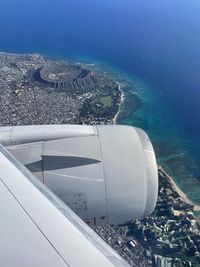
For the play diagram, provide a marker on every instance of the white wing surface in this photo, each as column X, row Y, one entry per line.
column 38, row 230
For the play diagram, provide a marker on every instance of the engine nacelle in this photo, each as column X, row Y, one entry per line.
column 108, row 176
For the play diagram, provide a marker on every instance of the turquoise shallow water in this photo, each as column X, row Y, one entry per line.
column 175, row 150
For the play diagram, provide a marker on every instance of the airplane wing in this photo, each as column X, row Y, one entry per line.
column 38, row 230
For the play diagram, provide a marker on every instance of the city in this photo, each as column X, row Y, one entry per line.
column 169, row 237
column 26, row 100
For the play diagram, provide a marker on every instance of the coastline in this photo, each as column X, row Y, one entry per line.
column 158, row 130
column 183, row 196
column 114, row 120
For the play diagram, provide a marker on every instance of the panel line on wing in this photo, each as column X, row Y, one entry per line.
column 76, row 177
column 104, row 172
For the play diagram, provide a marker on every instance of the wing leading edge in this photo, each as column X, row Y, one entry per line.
column 37, row 229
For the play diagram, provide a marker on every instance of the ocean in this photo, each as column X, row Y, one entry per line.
column 152, row 47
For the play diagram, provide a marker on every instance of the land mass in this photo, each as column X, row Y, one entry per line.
column 39, row 90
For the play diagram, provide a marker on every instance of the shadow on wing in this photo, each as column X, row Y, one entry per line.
column 50, row 163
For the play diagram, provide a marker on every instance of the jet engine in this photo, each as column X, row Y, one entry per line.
column 106, row 174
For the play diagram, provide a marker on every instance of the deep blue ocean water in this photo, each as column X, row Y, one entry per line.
column 157, row 42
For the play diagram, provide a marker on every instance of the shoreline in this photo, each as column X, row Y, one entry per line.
column 114, row 120
column 183, row 195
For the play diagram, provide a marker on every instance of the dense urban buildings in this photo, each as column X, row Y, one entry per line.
column 70, row 93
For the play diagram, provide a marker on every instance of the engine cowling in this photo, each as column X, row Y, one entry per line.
column 107, row 177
